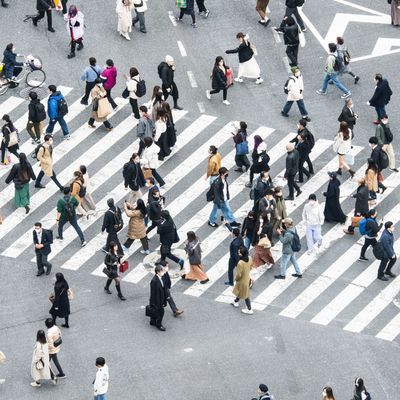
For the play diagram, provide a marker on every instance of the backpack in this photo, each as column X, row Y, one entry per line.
column 82, row 189
column 210, row 195
column 160, row 68
column 62, row 107
column 383, row 160
column 336, row 64
column 309, row 137
column 362, row 226
column 118, row 222
column 378, row 251
column 346, row 57
column 125, row 170
column 388, row 133
column 36, row 151
column 295, row 245
column 69, row 208
column 140, row 88
column 40, row 112
column 50, row 235
column 286, row 87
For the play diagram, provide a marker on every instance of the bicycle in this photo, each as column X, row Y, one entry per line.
column 32, row 73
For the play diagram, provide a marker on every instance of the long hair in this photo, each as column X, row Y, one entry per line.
column 141, row 207
column 371, row 165
column 78, row 176
column 344, row 128
column 41, row 337
column 8, row 123
column 244, row 253
column 217, row 61
column 23, row 169
column 257, row 141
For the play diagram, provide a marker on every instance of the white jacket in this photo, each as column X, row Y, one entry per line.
column 77, row 31
column 295, row 88
column 150, row 157
column 131, row 85
column 141, row 8
column 161, row 127
column 100, row 385
column 313, row 214
column 340, row 145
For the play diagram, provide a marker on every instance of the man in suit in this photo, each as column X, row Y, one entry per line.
column 348, row 115
column 292, row 167
column 42, row 241
column 158, row 298
column 236, row 243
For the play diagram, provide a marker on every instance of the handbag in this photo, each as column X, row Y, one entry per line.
column 107, row 272
column 349, row 158
column 151, row 311
column 123, row 267
column 95, row 104
column 302, row 37
column 125, row 93
column 58, row 341
column 39, row 364
column 254, row 49
column 147, row 173
column 14, row 139
column 229, row 77
column 52, row 297
column 104, row 108
column 71, row 294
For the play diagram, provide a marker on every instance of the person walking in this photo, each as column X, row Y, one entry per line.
column 149, row 160
column 372, row 229
column 327, row 393
column 260, row 159
column 40, row 366
column 61, row 307
column 295, row 93
column 381, row 97
column 36, row 118
column 66, row 212
column 158, row 299
column 189, row 10
column 100, row 383
column 42, row 240
column 310, row 140
column 241, row 148
column 389, row 259
column 280, row 209
column 166, row 279
column 112, row 224
column 263, row 393
column 360, row 392
column 156, row 203
column 124, row 12
column 371, row 177
column 301, row 146
column 74, row 20
column 385, row 138
column 394, row 12
column 109, row 77
column 45, row 158
column 100, row 106
column 193, row 250
column 235, row 245
column 78, row 190
column 213, row 164
column 203, row 11
column 261, row 8
column 348, row 115
column 140, row 9
column 344, row 59
column 44, row 7
column 53, row 340
column 112, row 261
column 10, row 139
column 131, row 85
column 313, row 217
column 89, row 75
column 219, row 81
column 248, row 66
column 291, row 9
column 56, row 109
column 20, row 175
column 144, row 128
column 133, row 178
column 157, row 99
column 333, row 210
column 262, row 252
column 248, row 229
column 88, row 203
column 292, row 167
column 287, row 233
column 261, row 185
column 378, row 156
column 331, row 72
column 166, row 72
column 136, row 228
column 342, row 146
column 291, row 40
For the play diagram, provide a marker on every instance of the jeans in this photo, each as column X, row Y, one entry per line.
column 53, row 178
column 300, row 104
column 157, row 177
column 386, row 265
column 114, row 105
column 41, row 261
column 134, row 106
column 292, row 185
column 368, row 242
column 56, row 363
column 224, row 92
column 72, row 220
column 380, row 110
column 62, row 123
column 247, row 242
column 313, row 235
column 292, row 52
column 140, row 18
column 88, row 88
column 226, row 212
column 285, row 258
column 100, row 397
column 333, row 77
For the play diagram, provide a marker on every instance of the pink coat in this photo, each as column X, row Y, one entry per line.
column 110, row 73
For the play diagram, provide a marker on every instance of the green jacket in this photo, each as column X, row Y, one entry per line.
column 61, row 205
column 380, row 134
column 330, row 62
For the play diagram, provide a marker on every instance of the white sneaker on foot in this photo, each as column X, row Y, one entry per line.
column 235, row 304
column 246, row 311
column 208, row 94
column 238, row 79
column 147, row 252
column 226, row 102
column 259, row 81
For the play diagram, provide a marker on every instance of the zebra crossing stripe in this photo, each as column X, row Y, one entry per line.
column 10, row 104
column 391, row 330
column 276, row 288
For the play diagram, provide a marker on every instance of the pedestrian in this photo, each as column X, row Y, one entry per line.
column 136, row 227
column 292, row 167
column 248, row 66
column 333, row 210
column 360, row 392
column 40, row 367
column 280, row 209
column 124, row 12
column 394, row 12
column 53, row 341
column 66, row 213
column 219, row 81
column 112, row 224
column 189, row 10
column 88, row 203
column 42, row 239
column 372, row 229
column 327, row 393
column 348, row 115
column 203, row 11
column 156, row 204
column 241, row 148
column 100, row 383
column 131, row 85
column 381, row 97
column 167, row 287
column 109, row 77
column 309, row 138
column 44, row 7
column 313, row 217
column 144, row 128
column 331, row 72
column 158, row 299
column 193, row 250
column 344, row 58
column 78, row 190
column 20, row 175
column 149, row 160
column 291, row 40
column 262, row 252
column 213, row 164
column 140, row 9
column 75, row 27
column 61, row 306
column 295, row 93
column 89, row 75
column 56, row 109
column 235, row 245
column 112, row 261
column 220, row 191
column 12, row 68
column 389, row 259
column 260, row 159
column 262, row 183
column 156, row 101
column 385, row 138
column 10, row 139
column 266, row 210
column 291, row 9
column 371, row 177
column 100, row 106
column 378, row 156
column 171, row 130
column 287, row 233
column 261, row 8
column 133, row 178
column 342, row 146
column 161, row 136
column 248, row 229
column 36, row 118
column 302, row 148
column 166, row 72
column 45, row 158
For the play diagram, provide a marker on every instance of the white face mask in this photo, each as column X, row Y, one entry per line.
column 384, row 121
column 312, row 202
column 13, row 49
column 100, row 84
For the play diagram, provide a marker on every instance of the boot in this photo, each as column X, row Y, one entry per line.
column 176, row 106
column 80, row 46
column 71, row 55
column 351, row 172
column 339, row 171
column 107, row 287
column 118, row 287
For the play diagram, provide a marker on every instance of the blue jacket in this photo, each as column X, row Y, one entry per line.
column 52, row 105
column 387, row 243
column 10, row 61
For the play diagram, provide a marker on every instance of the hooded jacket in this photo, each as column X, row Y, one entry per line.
column 52, row 104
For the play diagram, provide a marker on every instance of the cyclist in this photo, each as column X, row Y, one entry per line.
column 12, row 68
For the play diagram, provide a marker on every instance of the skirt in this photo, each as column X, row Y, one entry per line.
column 22, row 197
column 196, row 273
column 249, row 69
column 262, row 256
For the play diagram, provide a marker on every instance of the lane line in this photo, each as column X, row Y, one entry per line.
column 391, row 330
column 192, row 79
column 171, row 16
column 182, row 48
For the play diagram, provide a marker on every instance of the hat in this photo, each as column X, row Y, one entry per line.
column 169, row 59
column 332, row 174
column 263, row 388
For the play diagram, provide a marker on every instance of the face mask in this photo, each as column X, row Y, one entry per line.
column 384, row 122
column 226, row 175
column 13, row 49
column 351, row 106
column 312, row 202
column 100, row 84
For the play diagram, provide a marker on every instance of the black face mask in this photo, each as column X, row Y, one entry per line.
column 283, row 225
column 226, row 176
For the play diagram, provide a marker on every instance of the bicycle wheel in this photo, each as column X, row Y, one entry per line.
column 35, row 78
column 3, row 89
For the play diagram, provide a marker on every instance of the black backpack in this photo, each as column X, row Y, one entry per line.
column 69, row 208
column 118, row 222
column 50, row 235
column 40, row 112
column 125, row 170
column 210, row 195
column 140, row 88
column 383, row 161
column 82, row 189
column 309, row 137
column 296, row 245
column 346, row 57
column 36, row 151
column 388, row 133
column 286, row 87
column 336, row 64
column 62, row 107
column 160, row 68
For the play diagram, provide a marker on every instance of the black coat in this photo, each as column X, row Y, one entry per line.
column 347, row 115
column 244, row 50
column 166, row 280
column 167, row 75
column 333, row 211
column 382, row 94
column 304, row 151
column 43, row 5
column 218, row 79
column 291, row 3
column 261, row 187
column 291, row 35
column 15, row 176
column 260, row 161
column 234, row 249
column 10, row 61
column 167, row 231
column 375, row 155
column 292, row 163
column 158, row 298
column 112, row 261
column 61, row 300
column 45, row 240
column 155, row 209
column 33, row 114
column 133, row 176
column 218, row 186
column 110, row 220
column 361, row 197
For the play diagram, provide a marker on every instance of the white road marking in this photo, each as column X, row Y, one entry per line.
column 391, row 330
column 172, row 17
column 192, row 79
column 182, row 48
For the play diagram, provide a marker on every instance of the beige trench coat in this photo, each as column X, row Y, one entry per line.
column 46, row 160
column 136, row 227
column 124, row 13
column 40, row 352
column 101, row 94
column 242, row 278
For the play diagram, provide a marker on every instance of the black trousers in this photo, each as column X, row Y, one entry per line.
column 157, row 321
column 192, row 14
column 224, row 92
column 386, row 265
column 88, row 88
column 368, row 242
column 174, row 92
column 73, row 45
column 290, row 11
column 56, row 363
column 110, row 99
column 292, row 185
column 64, row 6
column 166, row 253
column 292, row 52
column 141, row 147
column 106, row 123
column 53, row 178
column 241, row 160
column 201, row 6
column 40, row 16
column 41, row 261
column 144, row 241
column 135, row 108
column 302, row 170
column 12, row 149
column 310, row 165
column 231, row 267
column 171, row 301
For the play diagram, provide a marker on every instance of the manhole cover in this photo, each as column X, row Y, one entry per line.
column 41, row 92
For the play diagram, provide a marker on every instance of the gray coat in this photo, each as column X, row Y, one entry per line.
column 193, row 250
column 286, row 240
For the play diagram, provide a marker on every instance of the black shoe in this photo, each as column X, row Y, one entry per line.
column 143, row 31
column 267, row 23
column 289, row 198
column 356, row 79
column 383, row 190
column 41, row 272
column 280, row 277
column 152, row 323
column 249, row 185
column 61, row 189
column 299, row 193
column 284, row 114
column 308, row 119
column 391, row 274
column 59, row 238
column 214, row 225
column 71, row 55
column 234, row 223
column 394, row 169
column 27, row 209
column 65, row 325
column 161, row 328
column 107, row 290
column 48, row 270
column 80, row 46
column 121, row 297
column 176, row 107
column 339, row 171
column 297, row 275
column 39, row 186
column 61, row 376
column 278, row 30
column 34, row 21
column 51, row 30
column 238, row 170
column 85, row 103
column 383, row 278
column 205, row 281
column 363, row 259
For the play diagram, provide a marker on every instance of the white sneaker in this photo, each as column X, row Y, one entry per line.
column 147, row 252
column 235, row 304
column 226, row 102
column 126, row 36
column 238, row 79
column 208, row 94
column 35, row 384
column 246, row 311
column 259, row 81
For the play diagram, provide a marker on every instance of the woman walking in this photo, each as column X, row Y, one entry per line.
column 333, row 211
column 161, row 137
column 193, row 250
column 242, row 279
column 248, row 66
column 156, row 102
column 136, row 226
column 242, row 148
column 60, row 306
column 113, row 261
column 262, row 253
column 88, row 203
column 131, row 86
column 149, row 159
column 78, row 190
column 344, row 57
column 342, row 146
column 124, row 12
column 219, row 81
column 327, row 393
column 109, row 74
column 280, row 210
column 360, row 392
column 371, row 176
column 40, row 367
column 260, row 159
column 189, row 10
column 248, row 229
column 9, row 141
column 21, row 174
column 75, row 27
column 362, row 207
column 100, row 106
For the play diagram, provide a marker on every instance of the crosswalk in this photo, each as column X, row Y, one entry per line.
column 335, row 290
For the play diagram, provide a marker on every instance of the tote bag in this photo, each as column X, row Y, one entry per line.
column 302, row 37
column 103, row 108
